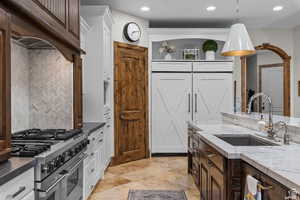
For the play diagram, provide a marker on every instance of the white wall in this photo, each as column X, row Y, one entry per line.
column 121, row 19
column 297, row 70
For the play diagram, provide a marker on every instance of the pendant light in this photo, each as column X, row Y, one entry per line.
column 238, row 42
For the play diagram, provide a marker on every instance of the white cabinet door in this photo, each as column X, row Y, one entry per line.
column 171, row 108
column 213, row 93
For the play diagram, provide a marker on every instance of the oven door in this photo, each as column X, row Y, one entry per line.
column 53, row 192
column 72, row 184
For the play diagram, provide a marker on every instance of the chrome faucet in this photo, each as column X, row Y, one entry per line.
column 286, row 136
column 269, row 127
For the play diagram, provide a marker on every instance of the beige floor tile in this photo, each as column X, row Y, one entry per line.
column 159, row 173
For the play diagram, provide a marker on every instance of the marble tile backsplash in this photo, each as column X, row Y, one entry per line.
column 42, row 89
column 19, row 88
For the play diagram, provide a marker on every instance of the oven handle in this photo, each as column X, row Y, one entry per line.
column 54, row 184
column 79, row 162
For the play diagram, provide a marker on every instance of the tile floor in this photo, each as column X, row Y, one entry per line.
column 160, row 173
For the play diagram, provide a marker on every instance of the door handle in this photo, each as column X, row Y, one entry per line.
column 196, row 109
column 189, row 106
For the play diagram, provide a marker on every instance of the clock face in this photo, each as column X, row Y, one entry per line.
column 132, row 32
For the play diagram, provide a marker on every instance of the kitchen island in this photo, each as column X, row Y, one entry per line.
column 221, row 167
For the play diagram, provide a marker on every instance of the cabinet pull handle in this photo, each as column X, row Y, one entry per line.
column 21, row 189
column 269, row 187
column 196, row 109
column 189, row 108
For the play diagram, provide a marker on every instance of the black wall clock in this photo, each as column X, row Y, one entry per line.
column 132, row 32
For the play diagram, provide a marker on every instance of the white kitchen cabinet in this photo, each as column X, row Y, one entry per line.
column 212, row 94
column 171, row 108
column 29, row 196
column 19, row 187
column 96, row 162
column 97, row 63
column 197, row 91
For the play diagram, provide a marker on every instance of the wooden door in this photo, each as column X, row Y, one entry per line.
column 171, row 108
column 5, row 89
column 213, row 93
column 131, row 102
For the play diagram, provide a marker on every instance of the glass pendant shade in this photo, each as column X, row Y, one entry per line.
column 238, row 42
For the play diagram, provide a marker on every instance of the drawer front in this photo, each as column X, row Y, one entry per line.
column 172, row 66
column 213, row 66
column 273, row 190
column 18, row 187
column 29, row 196
column 215, row 157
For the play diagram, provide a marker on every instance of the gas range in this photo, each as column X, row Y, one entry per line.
column 46, row 134
column 58, row 153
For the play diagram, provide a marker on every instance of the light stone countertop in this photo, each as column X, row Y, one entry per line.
column 282, row 163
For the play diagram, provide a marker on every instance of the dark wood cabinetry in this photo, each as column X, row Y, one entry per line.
column 272, row 189
column 59, row 17
column 207, row 168
column 78, row 118
column 5, row 108
column 219, row 178
column 55, row 21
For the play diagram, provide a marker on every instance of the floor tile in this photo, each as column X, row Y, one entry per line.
column 159, row 173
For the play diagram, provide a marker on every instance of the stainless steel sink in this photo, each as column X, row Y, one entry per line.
column 245, row 140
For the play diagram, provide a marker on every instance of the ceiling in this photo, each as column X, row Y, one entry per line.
column 192, row 13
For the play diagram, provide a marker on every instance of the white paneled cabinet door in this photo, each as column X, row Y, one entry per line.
column 171, row 108
column 213, row 94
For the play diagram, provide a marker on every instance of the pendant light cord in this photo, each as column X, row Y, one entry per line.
column 237, row 11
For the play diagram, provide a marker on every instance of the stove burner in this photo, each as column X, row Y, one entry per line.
column 29, row 149
column 46, row 134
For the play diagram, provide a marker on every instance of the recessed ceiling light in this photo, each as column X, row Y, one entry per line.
column 145, row 8
column 277, row 8
column 211, row 8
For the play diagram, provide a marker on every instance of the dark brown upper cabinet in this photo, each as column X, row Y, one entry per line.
column 59, row 17
column 5, row 108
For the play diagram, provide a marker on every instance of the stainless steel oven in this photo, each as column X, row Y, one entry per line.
column 68, row 184
column 72, row 184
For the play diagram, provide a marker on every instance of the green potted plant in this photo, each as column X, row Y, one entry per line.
column 210, row 47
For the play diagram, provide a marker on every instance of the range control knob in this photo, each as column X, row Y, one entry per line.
column 62, row 158
column 70, row 153
column 50, row 166
column 57, row 163
column 45, row 168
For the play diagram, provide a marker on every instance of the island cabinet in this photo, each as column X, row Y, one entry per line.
column 272, row 190
column 216, row 177
column 60, row 17
column 219, row 178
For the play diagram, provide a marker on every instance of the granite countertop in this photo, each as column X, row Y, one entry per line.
column 14, row 167
column 90, row 127
column 282, row 162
